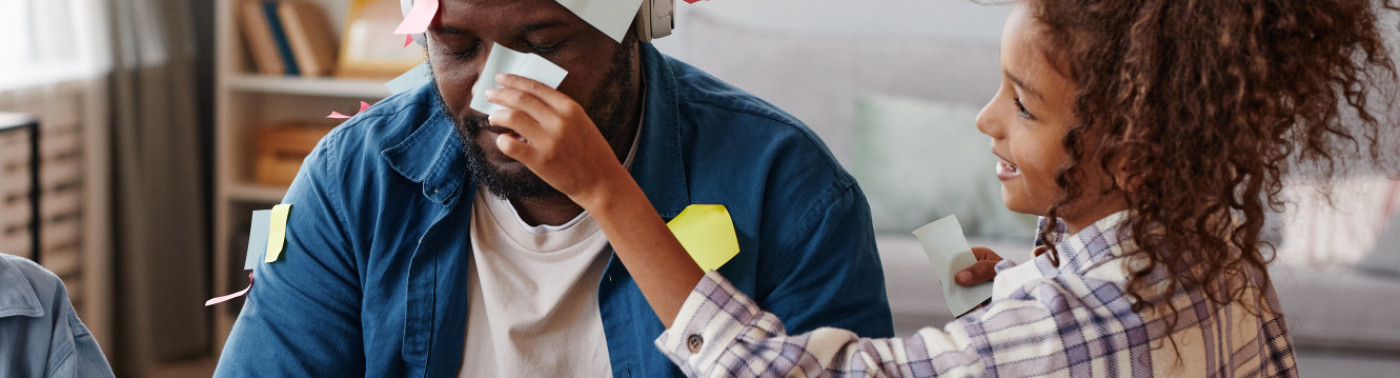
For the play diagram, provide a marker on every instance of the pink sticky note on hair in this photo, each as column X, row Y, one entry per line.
column 417, row 20
column 408, row 41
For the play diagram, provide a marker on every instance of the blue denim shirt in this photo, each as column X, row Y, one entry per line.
column 40, row 335
column 373, row 281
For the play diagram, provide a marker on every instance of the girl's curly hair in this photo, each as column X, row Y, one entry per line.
column 1200, row 107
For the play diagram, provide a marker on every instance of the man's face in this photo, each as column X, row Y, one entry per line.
column 603, row 77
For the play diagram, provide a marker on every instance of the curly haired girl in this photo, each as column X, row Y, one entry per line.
column 1150, row 135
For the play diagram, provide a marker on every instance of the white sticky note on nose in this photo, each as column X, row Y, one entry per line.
column 947, row 248
column 613, row 17
column 516, row 63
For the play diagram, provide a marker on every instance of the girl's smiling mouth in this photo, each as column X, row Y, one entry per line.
column 1006, row 170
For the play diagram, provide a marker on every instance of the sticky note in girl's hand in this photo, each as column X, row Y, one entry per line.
column 707, row 233
column 946, row 247
column 277, row 231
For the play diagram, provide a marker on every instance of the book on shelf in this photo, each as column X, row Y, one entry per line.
column 311, row 36
column 258, row 37
column 288, row 37
column 279, row 36
column 281, row 147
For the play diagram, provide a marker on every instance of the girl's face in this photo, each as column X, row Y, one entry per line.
column 1028, row 118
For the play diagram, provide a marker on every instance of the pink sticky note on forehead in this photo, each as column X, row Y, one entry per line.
column 417, row 20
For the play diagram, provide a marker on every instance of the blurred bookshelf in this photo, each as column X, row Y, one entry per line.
column 303, row 86
column 248, row 105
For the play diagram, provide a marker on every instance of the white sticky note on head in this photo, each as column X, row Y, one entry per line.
column 947, row 248
column 516, row 63
column 612, row 17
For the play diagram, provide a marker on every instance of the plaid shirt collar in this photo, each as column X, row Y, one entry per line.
column 1104, row 240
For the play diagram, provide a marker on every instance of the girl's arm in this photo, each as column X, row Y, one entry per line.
column 720, row 332
column 566, row 150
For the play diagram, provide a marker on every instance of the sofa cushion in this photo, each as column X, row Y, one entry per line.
column 1338, row 308
column 1335, row 223
column 920, row 160
column 817, row 76
column 1383, row 261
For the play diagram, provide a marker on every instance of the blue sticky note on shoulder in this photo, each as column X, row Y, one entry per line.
column 257, row 238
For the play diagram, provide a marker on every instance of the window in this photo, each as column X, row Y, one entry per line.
column 45, row 41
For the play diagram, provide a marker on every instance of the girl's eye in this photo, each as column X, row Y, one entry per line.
column 1021, row 110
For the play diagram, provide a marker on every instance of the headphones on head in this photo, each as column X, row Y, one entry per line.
column 656, row 19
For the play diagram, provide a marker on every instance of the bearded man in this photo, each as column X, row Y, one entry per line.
column 415, row 247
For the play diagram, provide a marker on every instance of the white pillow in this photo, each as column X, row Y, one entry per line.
column 1383, row 261
column 920, row 160
column 1341, row 233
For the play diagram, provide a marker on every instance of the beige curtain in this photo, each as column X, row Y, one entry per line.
column 160, row 211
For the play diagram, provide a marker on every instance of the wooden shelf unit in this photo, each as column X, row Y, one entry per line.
column 247, row 101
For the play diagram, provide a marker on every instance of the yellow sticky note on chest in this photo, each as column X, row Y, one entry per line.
column 707, row 233
column 277, row 236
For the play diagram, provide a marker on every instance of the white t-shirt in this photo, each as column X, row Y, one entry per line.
column 533, row 308
column 533, row 293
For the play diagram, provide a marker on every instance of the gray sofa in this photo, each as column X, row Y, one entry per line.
column 818, row 77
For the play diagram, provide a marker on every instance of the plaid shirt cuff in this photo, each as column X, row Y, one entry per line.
column 716, row 314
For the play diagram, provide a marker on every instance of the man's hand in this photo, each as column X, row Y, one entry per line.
column 980, row 272
column 556, row 139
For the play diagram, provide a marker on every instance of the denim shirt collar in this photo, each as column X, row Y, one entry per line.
column 17, row 297
column 658, row 167
column 432, row 154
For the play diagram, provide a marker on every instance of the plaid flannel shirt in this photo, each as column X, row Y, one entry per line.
column 1074, row 319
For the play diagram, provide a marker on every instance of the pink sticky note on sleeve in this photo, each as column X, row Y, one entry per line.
column 225, row 298
column 417, row 20
column 363, row 107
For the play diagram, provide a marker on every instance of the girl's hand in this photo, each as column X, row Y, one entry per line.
column 560, row 143
column 981, row 271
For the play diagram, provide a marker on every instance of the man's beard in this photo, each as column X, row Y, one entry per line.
column 608, row 108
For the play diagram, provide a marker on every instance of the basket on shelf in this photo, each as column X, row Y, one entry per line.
column 282, row 147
